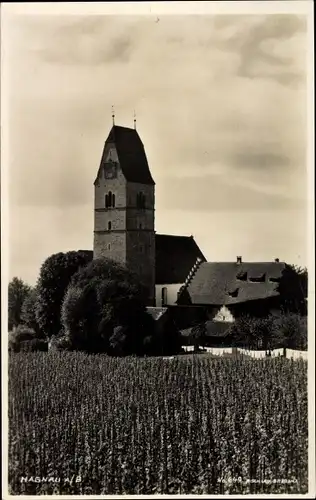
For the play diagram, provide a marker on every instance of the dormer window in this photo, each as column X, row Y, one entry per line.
column 258, row 279
column 233, row 293
column 141, row 200
column 242, row 276
column 110, row 200
column 274, row 279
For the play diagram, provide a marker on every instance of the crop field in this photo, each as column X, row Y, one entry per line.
column 82, row 424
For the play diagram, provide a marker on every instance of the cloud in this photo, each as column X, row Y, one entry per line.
column 260, row 160
column 257, row 38
column 220, row 104
column 218, row 194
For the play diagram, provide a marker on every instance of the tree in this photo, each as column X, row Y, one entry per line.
column 101, row 297
column 17, row 293
column 28, row 313
column 198, row 333
column 80, row 316
column 292, row 328
column 55, row 275
column 293, row 290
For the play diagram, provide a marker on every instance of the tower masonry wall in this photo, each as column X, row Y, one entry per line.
column 125, row 232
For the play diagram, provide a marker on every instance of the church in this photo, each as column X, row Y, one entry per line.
column 173, row 268
column 124, row 220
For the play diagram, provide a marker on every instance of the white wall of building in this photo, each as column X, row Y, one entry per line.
column 171, row 292
column 224, row 314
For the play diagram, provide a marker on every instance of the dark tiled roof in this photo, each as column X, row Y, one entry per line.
column 213, row 329
column 217, row 283
column 175, row 257
column 131, row 154
column 156, row 312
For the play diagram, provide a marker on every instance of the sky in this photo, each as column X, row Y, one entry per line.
column 221, row 109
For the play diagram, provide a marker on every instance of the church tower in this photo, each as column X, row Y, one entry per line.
column 124, row 206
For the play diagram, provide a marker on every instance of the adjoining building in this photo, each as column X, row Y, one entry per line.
column 233, row 288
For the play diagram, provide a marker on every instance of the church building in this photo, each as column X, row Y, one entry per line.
column 124, row 220
column 173, row 268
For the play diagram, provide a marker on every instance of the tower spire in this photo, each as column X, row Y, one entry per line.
column 113, row 115
column 134, row 119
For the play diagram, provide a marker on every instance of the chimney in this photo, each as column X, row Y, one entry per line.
column 276, row 260
column 239, row 260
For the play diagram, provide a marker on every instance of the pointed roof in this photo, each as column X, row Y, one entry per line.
column 131, row 154
column 175, row 257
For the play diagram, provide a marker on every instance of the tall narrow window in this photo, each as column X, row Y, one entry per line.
column 164, row 297
column 110, row 200
column 141, row 200
column 109, row 225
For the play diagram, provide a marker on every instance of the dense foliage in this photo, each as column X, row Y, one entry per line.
column 55, row 275
column 17, row 293
column 144, row 426
column 293, row 289
column 103, row 310
column 274, row 331
column 25, row 339
column 28, row 313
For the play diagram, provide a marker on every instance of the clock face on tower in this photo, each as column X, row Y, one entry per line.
column 110, row 166
column 110, row 170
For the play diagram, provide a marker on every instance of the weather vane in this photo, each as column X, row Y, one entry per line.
column 113, row 115
column 134, row 119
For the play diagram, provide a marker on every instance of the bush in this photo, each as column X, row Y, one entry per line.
column 33, row 345
column 60, row 342
column 293, row 328
column 272, row 332
column 243, row 332
column 55, row 275
column 25, row 339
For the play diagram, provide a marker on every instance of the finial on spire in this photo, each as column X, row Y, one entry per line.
column 134, row 119
column 113, row 115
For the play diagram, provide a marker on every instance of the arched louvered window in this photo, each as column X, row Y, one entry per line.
column 110, row 200
column 109, row 225
column 141, row 200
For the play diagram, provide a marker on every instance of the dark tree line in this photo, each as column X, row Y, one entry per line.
column 98, row 306
column 84, row 304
